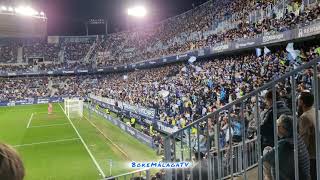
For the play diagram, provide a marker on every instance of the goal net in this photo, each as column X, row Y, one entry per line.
column 73, row 108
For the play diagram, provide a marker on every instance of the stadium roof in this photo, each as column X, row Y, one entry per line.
column 68, row 17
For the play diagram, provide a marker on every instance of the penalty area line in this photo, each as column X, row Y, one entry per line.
column 45, row 142
column 30, row 120
column 85, row 146
column 50, row 125
column 114, row 144
column 2, row 109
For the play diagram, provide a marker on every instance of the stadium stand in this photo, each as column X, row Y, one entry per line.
column 40, row 48
column 194, row 89
column 179, row 34
column 8, row 53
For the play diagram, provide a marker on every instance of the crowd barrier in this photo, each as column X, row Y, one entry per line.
column 144, row 173
column 236, row 159
column 222, row 163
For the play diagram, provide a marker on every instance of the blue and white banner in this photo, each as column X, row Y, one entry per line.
column 258, row 52
column 293, row 54
column 266, row 51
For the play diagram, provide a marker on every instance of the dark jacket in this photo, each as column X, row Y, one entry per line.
column 304, row 160
column 204, row 170
column 267, row 137
column 318, row 90
column 286, row 159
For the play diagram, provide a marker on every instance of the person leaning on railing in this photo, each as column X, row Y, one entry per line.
column 11, row 166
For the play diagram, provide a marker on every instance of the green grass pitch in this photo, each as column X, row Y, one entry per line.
column 51, row 149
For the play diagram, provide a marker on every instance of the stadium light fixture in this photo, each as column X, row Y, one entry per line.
column 137, row 11
column 4, row 8
column 22, row 10
column 26, row 11
column 10, row 9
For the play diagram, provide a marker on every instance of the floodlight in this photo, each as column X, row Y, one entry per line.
column 137, row 11
column 42, row 13
column 3, row 8
column 10, row 9
column 26, row 11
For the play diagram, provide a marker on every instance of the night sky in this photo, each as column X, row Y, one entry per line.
column 67, row 17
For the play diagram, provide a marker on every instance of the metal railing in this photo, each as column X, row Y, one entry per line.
column 200, row 141
column 143, row 174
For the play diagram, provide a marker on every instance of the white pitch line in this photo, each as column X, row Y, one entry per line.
column 46, row 142
column 18, row 110
column 85, row 145
column 114, row 144
column 30, row 120
column 49, row 125
column 42, row 112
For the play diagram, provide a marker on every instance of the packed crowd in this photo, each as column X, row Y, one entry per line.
column 37, row 54
column 40, row 48
column 306, row 134
column 170, row 38
column 180, row 93
column 306, row 143
column 8, row 53
column 192, row 30
column 76, row 51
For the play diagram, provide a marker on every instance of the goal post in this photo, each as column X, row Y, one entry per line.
column 73, row 108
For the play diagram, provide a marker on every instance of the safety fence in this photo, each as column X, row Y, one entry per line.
column 143, row 174
column 236, row 159
column 201, row 141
